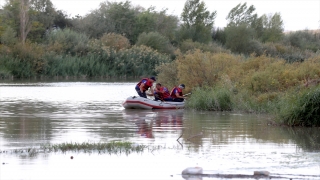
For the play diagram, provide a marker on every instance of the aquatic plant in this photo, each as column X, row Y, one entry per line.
column 113, row 147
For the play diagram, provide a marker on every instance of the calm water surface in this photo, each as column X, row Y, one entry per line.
column 38, row 113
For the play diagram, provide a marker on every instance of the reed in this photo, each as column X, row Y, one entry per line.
column 213, row 99
column 300, row 108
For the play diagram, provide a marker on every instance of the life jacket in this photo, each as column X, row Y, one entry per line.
column 166, row 93
column 174, row 91
column 163, row 92
column 147, row 83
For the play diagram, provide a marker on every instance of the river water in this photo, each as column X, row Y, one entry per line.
column 38, row 113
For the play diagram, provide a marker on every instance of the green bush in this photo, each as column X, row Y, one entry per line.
column 300, row 109
column 156, row 41
column 67, row 41
column 138, row 61
column 115, row 41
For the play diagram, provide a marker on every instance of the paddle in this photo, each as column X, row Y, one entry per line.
column 187, row 94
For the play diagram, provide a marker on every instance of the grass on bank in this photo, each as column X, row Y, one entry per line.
column 297, row 107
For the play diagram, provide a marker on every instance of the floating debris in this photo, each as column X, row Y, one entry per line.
column 264, row 173
column 193, row 170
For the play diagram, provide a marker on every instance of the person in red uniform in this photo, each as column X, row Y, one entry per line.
column 177, row 94
column 144, row 85
column 161, row 93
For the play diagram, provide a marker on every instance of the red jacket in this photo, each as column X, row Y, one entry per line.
column 147, row 83
column 163, row 92
column 174, row 91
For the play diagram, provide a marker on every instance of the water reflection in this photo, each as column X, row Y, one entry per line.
column 171, row 119
column 158, row 121
column 144, row 128
column 307, row 139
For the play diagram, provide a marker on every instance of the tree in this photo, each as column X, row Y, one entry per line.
column 152, row 21
column 21, row 15
column 197, row 22
column 10, row 15
column 94, row 24
column 240, row 32
column 238, row 38
column 62, row 20
column 43, row 12
column 110, row 17
column 122, row 17
column 25, row 25
column 219, row 35
column 241, row 14
column 272, row 28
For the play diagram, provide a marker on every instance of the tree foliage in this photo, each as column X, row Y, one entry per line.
column 123, row 17
column 197, row 21
column 241, row 14
column 152, row 21
column 8, row 37
column 41, row 15
column 238, row 38
column 304, row 40
column 272, row 28
column 67, row 41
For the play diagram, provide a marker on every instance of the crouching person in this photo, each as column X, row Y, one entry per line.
column 144, row 85
column 176, row 93
column 162, row 93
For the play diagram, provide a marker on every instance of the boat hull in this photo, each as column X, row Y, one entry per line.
column 134, row 102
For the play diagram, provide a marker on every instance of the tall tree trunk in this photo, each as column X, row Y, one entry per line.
column 25, row 25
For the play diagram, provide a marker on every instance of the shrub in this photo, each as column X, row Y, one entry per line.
column 67, row 41
column 156, row 41
column 189, row 45
column 168, row 74
column 238, row 38
column 138, row 61
column 23, row 61
column 198, row 68
column 115, row 41
column 8, row 37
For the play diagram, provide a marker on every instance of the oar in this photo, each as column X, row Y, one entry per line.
column 187, row 94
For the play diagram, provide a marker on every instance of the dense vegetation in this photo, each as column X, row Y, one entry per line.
column 250, row 65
